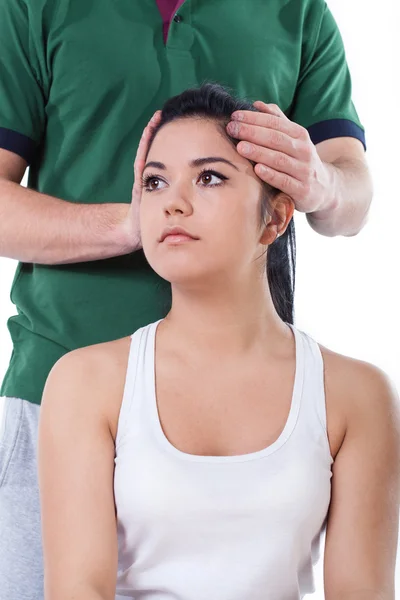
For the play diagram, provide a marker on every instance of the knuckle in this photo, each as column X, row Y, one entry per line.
column 304, row 135
column 277, row 138
column 281, row 160
column 288, row 182
column 285, row 182
column 306, row 188
column 275, row 123
column 307, row 153
column 294, row 146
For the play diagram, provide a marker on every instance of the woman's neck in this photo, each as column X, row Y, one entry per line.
column 226, row 318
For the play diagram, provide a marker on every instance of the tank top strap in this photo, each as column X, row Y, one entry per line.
column 313, row 417
column 315, row 377
column 132, row 398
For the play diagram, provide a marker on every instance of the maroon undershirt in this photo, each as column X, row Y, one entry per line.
column 167, row 10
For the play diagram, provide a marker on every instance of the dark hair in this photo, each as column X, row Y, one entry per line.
column 215, row 102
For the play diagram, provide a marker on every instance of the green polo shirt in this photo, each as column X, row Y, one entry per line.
column 78, row 83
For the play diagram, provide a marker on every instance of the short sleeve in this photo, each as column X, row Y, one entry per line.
column 22, row 100
column 323, row 102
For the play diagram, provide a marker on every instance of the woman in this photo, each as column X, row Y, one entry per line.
column 193, row 460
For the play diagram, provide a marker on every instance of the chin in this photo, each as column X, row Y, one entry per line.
column 182, row 277
column 182, row 272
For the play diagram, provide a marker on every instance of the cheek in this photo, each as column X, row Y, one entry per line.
column 149, row 229
column 143, row 211
column 241, row 222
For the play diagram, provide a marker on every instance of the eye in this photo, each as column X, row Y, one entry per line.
column 207, row 175
column 151, row 182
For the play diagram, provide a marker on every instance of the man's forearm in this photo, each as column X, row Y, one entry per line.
column 41, row 229
column 349, row 198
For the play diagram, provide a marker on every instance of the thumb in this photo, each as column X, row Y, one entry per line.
column 142, row 150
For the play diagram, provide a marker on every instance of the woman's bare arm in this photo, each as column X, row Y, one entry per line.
column 363, row 520
column 76, row 469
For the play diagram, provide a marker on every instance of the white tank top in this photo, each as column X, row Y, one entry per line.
column 220, row 527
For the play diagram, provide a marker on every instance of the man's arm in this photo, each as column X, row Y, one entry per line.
column 42, row 229
column 350, row 186
column 313, row 149
column 35, row 227
column 329, row 181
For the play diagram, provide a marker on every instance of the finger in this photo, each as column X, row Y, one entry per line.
column 269, row 121
column 143, row 146
column 279, row 161
column 143, row 143
column 283, row 182
column 140, row 155
column 265, row 137
column 273, row 109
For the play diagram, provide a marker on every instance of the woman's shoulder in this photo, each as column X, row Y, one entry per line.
column 351, row 373
column 359, row 388
column 90, row 380
column 97, row 362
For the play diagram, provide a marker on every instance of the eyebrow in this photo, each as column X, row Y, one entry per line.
column 197, row 162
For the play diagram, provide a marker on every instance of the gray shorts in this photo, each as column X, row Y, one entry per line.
column 21, row 560
column 21, row 556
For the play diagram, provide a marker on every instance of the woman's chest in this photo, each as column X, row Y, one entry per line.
column 237, row 410
column 223, row 411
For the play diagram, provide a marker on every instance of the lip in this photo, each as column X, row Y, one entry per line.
column 179, row 232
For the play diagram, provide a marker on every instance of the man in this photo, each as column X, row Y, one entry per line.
column 78, row 83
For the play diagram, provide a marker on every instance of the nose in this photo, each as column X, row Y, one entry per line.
column 178, row 202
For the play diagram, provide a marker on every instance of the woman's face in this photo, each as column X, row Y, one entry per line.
column 201, row 184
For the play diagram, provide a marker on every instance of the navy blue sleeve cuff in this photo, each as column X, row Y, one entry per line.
column 17, row 143
column 326, row 130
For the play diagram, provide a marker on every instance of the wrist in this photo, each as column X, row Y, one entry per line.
column 330, row 201
column 120, row 233
column 127, row 241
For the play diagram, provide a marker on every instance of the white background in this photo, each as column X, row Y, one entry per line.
column 347, row 293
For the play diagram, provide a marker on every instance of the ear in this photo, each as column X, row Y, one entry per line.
column 281, row 209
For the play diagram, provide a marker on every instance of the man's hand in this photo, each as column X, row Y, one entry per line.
column 131, row 224
column 285, row 155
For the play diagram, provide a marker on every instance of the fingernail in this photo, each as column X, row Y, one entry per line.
column 245, row 148
column 233, row 128
column 237, row 116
